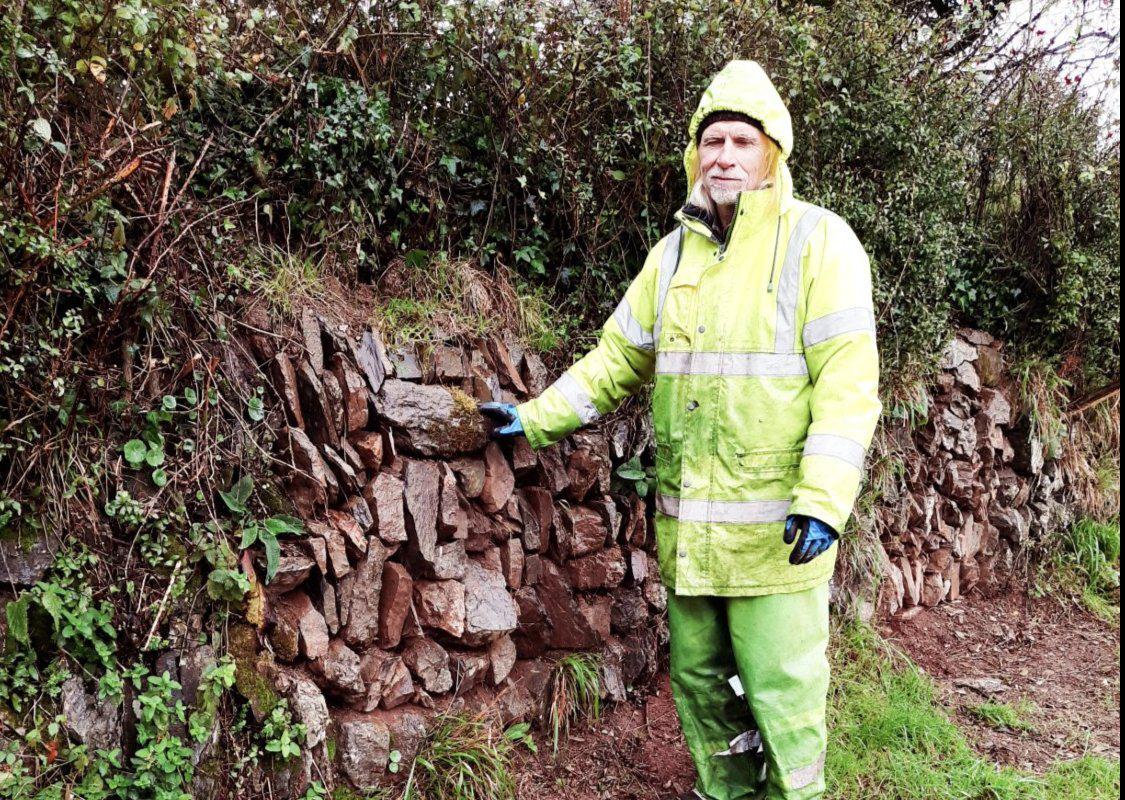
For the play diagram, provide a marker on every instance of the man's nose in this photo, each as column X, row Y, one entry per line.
column 726, row 157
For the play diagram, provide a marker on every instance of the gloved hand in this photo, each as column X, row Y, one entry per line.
column 505, row 421
column 813, row 537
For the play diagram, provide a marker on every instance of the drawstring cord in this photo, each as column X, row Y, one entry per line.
column 776, row 239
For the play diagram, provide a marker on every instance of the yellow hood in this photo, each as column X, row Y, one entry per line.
column 742, row 86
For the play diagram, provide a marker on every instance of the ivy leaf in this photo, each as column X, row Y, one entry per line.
column 135, row 452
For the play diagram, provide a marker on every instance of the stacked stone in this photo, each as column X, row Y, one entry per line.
column 440, row 567
column 975, row 485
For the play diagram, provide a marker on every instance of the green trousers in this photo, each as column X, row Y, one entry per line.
column 776, row 644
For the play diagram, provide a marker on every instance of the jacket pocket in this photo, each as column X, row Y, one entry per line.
column 770, row 462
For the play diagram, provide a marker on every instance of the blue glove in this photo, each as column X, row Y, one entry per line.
column 813, row 537
column 504, row 418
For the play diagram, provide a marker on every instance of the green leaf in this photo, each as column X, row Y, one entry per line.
column 168, row 402
column 284, row 524
column 273, row 554
column 236, row 498
column 255, row 409
column 135, row 451
column 631, row 474
column 16, row 612
column 41, row 128
column 155, row 456
column 160, row 477
column 249, row 536
column 618, row 175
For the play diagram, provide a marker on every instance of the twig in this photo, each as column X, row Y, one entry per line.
column 163, row 602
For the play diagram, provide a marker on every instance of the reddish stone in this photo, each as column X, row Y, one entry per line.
column 499, row 482
column 524, row 460
column 298, row 628
column 509, row 375
column 511, row 562
column 423, row 496
column 552, row 472
column 430, row 664
column 354, row 391
column 363, row 611
column 440, row 605
column 384, row 496
column 602, row 570
column 312, row 485
column 568, row 629
column 583, row 532
column 388, row 681
column 369, row 445
column 537, row 511
column 582, row 468
column 354, row 537
column 470, row 474
column 453, row 520
column 284, row 379
column 501, row 657
column 598, row 613
column 394, row 604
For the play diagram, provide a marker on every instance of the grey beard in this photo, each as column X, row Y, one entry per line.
column 724, row 197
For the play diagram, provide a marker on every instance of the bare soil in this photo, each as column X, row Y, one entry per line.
column 1058, row 656
column 635, row 752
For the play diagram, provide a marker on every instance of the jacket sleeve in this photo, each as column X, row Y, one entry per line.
column 619, row 366
column 843, row 360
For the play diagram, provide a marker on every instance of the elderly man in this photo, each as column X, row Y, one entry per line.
column 755, row 318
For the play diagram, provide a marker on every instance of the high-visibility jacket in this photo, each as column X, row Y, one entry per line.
column 762, row 345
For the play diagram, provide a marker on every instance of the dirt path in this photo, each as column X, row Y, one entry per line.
column 1012, row 648
column 1059, row 658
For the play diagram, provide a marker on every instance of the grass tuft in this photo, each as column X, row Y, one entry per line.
column 574, row 693
column 1001, row 716
column 463, row 758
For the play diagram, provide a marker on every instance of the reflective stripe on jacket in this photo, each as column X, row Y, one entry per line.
column 762, row 347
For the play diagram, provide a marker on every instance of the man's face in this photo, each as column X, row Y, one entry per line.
column 731, row 156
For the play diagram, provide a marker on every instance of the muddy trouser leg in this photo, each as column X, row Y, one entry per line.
column 780, row 644
column 711, row 714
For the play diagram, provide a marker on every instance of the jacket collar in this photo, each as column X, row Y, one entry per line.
column 754, row 211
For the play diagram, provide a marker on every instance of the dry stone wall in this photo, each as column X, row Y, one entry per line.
column 975, row 489
column 440, row 569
